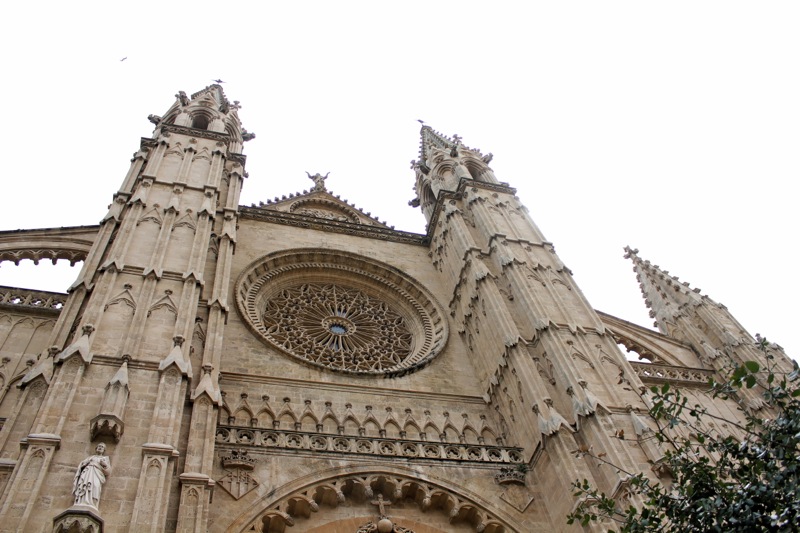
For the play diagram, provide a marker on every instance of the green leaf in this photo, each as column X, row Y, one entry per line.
column 750, row 381
column 752, row 366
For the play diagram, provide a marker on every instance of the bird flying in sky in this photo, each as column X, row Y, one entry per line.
column 218, row 81
column 124, row 58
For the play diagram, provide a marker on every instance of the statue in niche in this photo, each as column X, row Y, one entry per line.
column 90, row 478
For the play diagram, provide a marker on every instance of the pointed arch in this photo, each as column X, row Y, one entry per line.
column 477, row 169
column 243, row 416
column 266, row 417
column 471, row 436
column 412, row 426
column 309, row 421
column 451, row 434
column 371, row 427
column 287, row 419
column 330, row 424
column 165, row 301
column 576, row 354
column 351, row 425
column 432, row 430
column 489, row 437
column 391, row 428
column 224, row 415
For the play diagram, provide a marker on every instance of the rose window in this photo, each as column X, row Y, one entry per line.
column 341, row 312
column 338, row 327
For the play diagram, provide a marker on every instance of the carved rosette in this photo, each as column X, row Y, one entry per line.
column 342, row 312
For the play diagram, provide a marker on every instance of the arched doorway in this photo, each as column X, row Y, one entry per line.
column 348, row 502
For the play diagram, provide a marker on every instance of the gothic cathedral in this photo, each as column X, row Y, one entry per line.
column 299, row 366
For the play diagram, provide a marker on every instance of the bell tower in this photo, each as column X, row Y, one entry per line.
column 152, row 298
column 544, row 358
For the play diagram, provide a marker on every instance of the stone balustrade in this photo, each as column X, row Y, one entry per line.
column 375, row 446
column 13, row 296
column 655, row 373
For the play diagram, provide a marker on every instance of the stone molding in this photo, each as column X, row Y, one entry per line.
column 312, row 202
column 194, row 132
column 235, row 377
column 322, row 224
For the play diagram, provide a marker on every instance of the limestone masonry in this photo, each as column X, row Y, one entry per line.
column 300, row 366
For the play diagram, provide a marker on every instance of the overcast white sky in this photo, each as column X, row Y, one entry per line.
column 672, row 127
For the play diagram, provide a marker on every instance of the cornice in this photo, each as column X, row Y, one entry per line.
column 110, row 360
column 148, row 142
column 237, row 377
column 334, row 226
column 238, row 158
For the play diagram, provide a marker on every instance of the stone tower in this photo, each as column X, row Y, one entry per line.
column 301, row 366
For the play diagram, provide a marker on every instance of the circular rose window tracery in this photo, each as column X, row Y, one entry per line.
column 338, row 327
column 342, row 312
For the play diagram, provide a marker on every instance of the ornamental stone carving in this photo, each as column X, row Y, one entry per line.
column 338, row 327
column 90, row 478
column 342, row 312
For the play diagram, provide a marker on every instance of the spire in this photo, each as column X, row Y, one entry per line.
column 664, row 295
column 443, row 163
column 686, row 315
column 431, row 139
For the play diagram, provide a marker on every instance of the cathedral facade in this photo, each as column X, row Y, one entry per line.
column 298, row 365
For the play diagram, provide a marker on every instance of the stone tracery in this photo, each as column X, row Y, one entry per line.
column 342, row 312
column 338, row 327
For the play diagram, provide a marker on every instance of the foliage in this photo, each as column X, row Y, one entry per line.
column 715, row 482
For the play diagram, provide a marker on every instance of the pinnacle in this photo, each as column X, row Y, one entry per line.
column 430, row 138
column 660, row 290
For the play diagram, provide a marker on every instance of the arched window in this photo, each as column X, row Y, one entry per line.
column 200, row 122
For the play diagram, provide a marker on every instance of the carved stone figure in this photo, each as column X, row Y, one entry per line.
column 319, row 181
column 182, row 97
column 90, row 478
